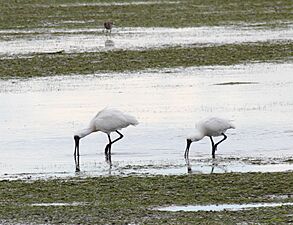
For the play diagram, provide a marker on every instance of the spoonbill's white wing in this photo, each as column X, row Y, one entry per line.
column 110, row 119
column 215, row 126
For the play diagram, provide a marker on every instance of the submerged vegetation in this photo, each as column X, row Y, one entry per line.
column 119, row 61
column 132, row 199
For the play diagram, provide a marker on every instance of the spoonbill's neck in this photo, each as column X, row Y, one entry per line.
column 84, row 132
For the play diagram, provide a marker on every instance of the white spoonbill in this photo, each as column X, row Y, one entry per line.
column 210, row 127
column 107, row 120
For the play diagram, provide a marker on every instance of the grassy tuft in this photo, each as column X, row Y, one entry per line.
column 120, row 61
column 131, row 199
column 92, row 13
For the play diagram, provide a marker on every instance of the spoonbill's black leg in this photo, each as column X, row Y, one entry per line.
column 77, row 167
column 225, row 137
column 188, row 143
column 120, row 136
column 112, row 142
column 76, row 154
column 213, row 147
column 108, row 148
column 76, row 159
column 186, row 155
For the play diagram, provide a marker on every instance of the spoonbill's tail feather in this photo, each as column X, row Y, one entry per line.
column 232, row 126
column 132, row 120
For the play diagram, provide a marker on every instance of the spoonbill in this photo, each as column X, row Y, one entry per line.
column 210, row 127
column 108, row 25
column 107, row 121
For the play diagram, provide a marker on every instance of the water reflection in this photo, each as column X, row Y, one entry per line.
column 109, row 43
column 189, row 170
column 86, row 40
column 108, row 159
column 76, row 160
column 215, row 165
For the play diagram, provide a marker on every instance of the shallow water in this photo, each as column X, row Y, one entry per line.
column 39, row 116
column 92, row 40
column 221, row 207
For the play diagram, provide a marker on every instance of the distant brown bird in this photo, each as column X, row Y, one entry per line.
column 108, row 26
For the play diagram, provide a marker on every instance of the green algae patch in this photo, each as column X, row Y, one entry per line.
column 127, row 13
column 126, row 60
column 133, row 199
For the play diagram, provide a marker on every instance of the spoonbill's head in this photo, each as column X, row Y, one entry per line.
column 192, row 138
column 197, row 136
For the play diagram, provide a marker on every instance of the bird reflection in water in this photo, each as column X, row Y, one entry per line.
column 109, row 43
column 215, row 164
